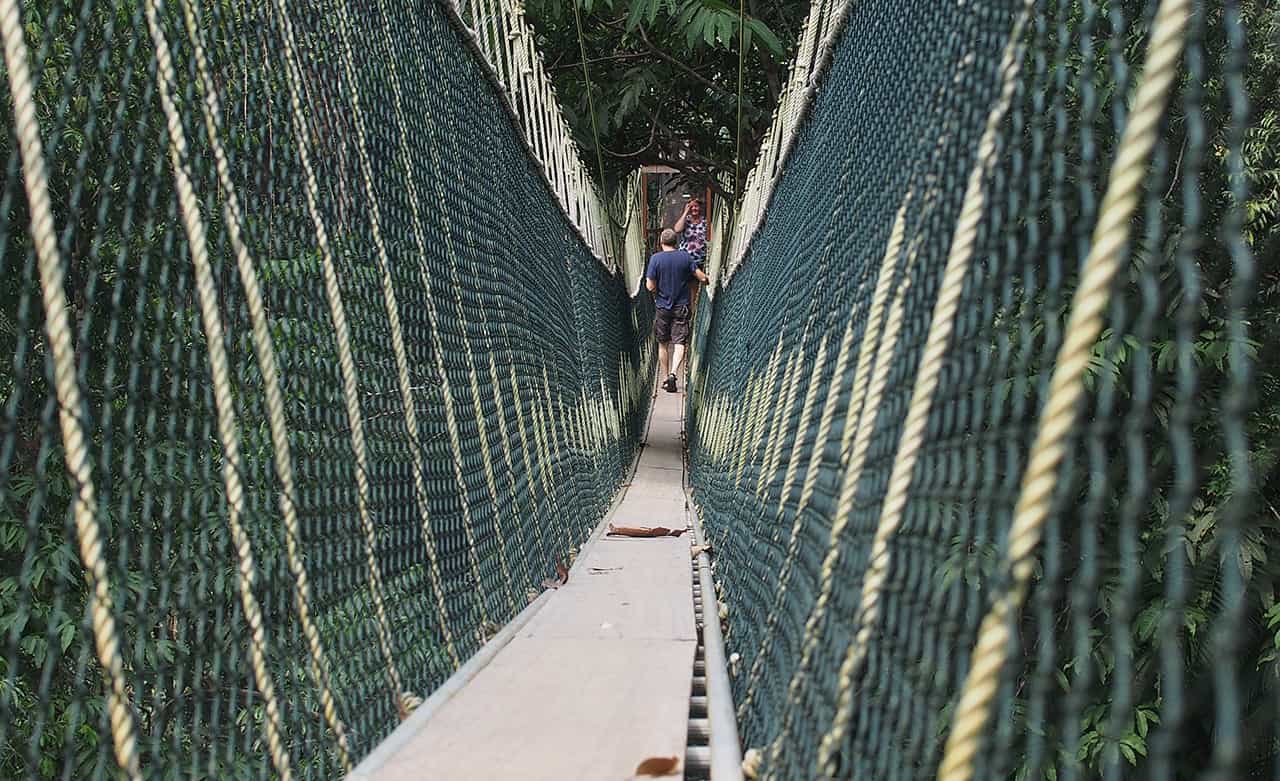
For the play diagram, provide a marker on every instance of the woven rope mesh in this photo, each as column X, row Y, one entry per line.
column 309, row 380
column 1146, row 643
column 476, row 307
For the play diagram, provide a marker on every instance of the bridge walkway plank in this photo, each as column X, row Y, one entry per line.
column 599, row 678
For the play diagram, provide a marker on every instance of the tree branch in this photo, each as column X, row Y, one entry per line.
column 612, row 58
column 653, row 134
column 667, row 58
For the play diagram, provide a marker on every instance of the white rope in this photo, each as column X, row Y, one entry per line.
column 825, row 22
column 397, row 338
column 773, row 452
column 928, row 375
column 438, row 348
column 1066, row 388
column 879, row 340
column 227, row 427
column 58, row 326
column 264, row 351
column 342, row 339
column 812, row 468
column 529, row 97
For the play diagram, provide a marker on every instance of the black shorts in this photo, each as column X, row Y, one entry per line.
column 672, row 325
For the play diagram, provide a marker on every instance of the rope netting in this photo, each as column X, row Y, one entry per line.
column 310, row 379
column 983, row 416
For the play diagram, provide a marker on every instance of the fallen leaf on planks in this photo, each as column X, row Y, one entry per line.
column 698, row 550
column 644, row 531
column 658, row 766
column 562, row 576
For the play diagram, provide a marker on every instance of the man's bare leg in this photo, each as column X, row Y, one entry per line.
column 664, row 359
column 677, row 359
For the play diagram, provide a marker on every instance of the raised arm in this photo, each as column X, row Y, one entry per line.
column 679, row 226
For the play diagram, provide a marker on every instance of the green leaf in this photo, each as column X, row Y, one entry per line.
column 766, row 37
column 35, row 647
column 66, row 633
column 1128, row 754
column 637, row 13
column 691, row 34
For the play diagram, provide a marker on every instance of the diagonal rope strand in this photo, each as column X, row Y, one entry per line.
column 928, row 376
column 1066, row 389
column 342, row 339
column 58, row 326
column 227, row 430
column 264, row 351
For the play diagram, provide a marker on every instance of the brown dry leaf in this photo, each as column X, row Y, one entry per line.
column 698, row 550
column 644, row 531
column 561, row 578
column 658, row 766
column 638, row 531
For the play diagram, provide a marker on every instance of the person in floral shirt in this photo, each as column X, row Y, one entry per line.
column 692, row 229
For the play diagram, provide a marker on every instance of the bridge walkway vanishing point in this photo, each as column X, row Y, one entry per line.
column 593, row 678
column 320, row 349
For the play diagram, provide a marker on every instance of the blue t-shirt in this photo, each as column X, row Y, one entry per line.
column 671, row 271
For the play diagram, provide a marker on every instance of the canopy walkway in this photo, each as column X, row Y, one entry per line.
column 598, row 678
column 328, row 367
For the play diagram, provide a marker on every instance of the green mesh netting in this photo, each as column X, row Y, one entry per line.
column 310, row 381
column 1146, row 645
column 468, row 299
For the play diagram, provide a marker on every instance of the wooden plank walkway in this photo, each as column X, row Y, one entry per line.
column 598, row 679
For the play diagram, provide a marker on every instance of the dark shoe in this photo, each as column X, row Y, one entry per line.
column 670, row 385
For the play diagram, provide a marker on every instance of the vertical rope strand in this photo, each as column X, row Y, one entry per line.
column 1066, row 389
column 58, row 325
column 591, row 106
column 264, row 350
column 742, row 66
column 342, row 339
column 228, row 428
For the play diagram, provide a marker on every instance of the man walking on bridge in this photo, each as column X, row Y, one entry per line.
column 668, row 278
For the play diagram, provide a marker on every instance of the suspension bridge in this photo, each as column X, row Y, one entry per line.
column 331, row 445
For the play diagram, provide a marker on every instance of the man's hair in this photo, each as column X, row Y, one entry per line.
column 668, row 237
